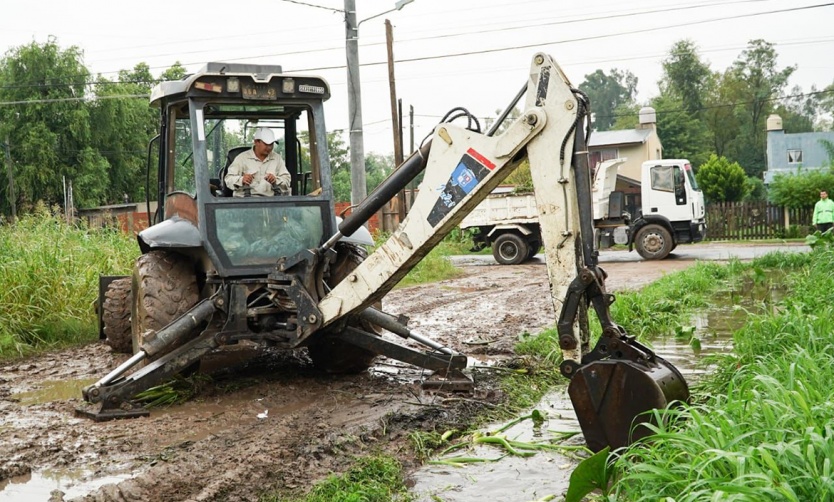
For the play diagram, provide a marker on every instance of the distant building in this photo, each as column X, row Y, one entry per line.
column 788, row 152
column 637, row 145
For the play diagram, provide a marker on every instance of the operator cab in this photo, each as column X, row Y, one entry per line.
column 207, row 120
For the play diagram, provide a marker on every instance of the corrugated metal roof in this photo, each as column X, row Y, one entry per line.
column 623, row 137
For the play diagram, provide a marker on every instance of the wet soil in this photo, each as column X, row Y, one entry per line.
column 273, row 422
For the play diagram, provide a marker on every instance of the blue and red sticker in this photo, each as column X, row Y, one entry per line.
column 471, row 170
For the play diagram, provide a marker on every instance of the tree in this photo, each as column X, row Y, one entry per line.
column 686, row 77
column 721, row 180
column 607, row 92
column 798, row 111
column 760, row 83
column 681, row 133
column 49, row 130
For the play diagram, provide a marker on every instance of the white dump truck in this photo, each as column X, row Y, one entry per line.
column 671, row 212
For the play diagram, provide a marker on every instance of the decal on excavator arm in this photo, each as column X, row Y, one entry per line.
column 471, row 170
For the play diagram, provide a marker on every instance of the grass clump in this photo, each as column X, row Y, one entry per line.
column 49, row 280
column 371, row 479
column 763, row 425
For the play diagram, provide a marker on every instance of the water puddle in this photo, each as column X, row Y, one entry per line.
column 56, row 390
column 547, row 473
column 39, row 485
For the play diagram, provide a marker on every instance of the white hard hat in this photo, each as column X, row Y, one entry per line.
column 266, row 135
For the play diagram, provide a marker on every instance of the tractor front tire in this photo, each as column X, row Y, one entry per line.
column 164, row 287
column 115, row 316
column 327, row 350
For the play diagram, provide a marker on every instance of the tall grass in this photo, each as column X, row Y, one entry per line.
column 764, row 425
column 49, row 280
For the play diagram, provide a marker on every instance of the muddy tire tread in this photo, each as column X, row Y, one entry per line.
column 164, row 286
column 115, row 316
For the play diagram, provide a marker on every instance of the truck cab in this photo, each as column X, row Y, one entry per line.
column 673, row 210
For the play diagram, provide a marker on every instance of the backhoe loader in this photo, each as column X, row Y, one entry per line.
column 284, row 271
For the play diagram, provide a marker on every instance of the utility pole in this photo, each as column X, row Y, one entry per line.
column 12, row 197
column 358, row 190
column 395, row 115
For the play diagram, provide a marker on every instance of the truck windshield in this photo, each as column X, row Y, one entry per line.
column 691, row 177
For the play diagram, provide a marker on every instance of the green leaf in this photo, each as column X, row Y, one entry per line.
column 591, row 474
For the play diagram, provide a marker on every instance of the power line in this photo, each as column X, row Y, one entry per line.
column 582, row 39
column 486, row 51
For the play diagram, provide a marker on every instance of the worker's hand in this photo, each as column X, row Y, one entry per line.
column 270, row 178
column 247, row 179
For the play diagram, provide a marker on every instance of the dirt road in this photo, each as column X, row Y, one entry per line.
column 275, row 422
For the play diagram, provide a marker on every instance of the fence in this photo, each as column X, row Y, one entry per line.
column 756, row 220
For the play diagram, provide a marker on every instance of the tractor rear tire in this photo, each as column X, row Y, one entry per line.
column 510, row 249
column 327, row 350
column 115, row 316
column 653, row 242
column 164, row 287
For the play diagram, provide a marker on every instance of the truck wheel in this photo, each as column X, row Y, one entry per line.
column 164, row 287
column 510, row 249
column 328, row 352
column 115, row 316
column 534, row 246
column 653, row 242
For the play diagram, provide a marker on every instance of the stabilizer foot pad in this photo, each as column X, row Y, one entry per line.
column 104, row 415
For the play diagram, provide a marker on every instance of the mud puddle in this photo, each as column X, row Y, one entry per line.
column 38, row 486
column 546, row 475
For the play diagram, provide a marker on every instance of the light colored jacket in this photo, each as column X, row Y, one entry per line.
column 248, row 162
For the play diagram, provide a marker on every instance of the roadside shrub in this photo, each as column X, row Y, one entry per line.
column 800, row 189
column 722, row 181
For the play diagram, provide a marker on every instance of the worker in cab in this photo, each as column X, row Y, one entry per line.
column 259, row 171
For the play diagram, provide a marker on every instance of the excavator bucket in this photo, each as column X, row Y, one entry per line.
column 613, row 398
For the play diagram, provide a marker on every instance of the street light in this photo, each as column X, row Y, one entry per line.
column 358, row 191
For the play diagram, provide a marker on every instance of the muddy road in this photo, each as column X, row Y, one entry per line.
column 270, row 421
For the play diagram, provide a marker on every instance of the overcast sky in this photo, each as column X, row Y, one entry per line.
column 469, row 53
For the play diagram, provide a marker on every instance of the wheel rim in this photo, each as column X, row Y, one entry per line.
column 653, row 243
column 508, row 251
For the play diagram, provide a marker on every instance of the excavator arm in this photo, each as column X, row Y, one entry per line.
column 612, row 386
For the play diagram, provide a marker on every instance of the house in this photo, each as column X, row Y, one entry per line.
column 788, row 152
column 636, row 145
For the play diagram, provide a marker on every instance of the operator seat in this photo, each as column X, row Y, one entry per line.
column 230, row 157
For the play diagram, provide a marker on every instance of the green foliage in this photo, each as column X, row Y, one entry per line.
column 434, row 267
column 49, row 280
column 722, row 181
column 591, row 474
column 683, row 135
column 686, row 77
column 670, row 301
column 758, row 82
column 371, row 479
column 755, row 190
column 521, row 177
column 820, row 238
column 96, row 141
column 762, row 430
column 607, row 93
column 800, row 189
